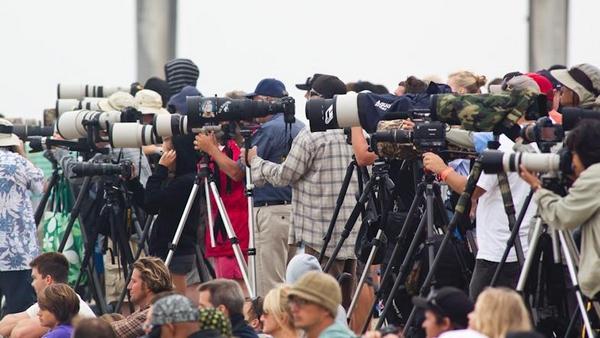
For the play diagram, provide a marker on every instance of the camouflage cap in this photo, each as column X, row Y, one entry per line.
column 174, row 309
column 213, row 319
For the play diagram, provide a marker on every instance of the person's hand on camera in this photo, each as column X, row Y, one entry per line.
column 251, row 154
column 531, row 178
column 434, row 163
column 168, row 159
column 408, row 124
column 207, row 143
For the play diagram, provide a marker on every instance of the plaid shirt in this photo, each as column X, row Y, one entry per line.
column 131, row 327
column 315, row 168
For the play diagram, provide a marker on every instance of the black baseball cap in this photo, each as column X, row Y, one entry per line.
column 448, row 302
column 328, row 85
column 307, row 85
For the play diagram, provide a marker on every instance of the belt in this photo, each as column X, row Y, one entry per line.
column 270, row 203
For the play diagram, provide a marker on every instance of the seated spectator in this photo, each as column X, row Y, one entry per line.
column 150, row 277
column 314, row 300
column 46, row 269
column 299, row 266
column 93, row 327
column 277, row 318
column 226, row 295
column 499, row 311
column 253, row 310
column 445, row 310
column 58, row 305
column 176, row 316
column 213, row 323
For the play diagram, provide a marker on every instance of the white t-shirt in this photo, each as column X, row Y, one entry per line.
column 492, row 222
column 84, row 310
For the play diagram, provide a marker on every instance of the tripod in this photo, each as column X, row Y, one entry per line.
column 56, row 174
column 203, row 173
column 428, row 195
column 571, row 257
column 247, row 135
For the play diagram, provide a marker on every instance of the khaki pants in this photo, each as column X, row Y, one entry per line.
column 272, row 224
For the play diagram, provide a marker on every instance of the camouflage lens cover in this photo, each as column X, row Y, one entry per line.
column 401, row 151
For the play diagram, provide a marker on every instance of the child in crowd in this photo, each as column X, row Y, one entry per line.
column 58, row 305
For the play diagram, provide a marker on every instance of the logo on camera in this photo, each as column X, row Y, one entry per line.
column 329, row 115
column 382, row 105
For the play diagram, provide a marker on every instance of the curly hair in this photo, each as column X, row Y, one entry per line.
column 154, row 274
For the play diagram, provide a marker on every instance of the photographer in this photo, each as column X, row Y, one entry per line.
column 166, row 194
column 581, row 205
column 18, row 242
column 580, row 85
column 224, row 149
column 315, row 168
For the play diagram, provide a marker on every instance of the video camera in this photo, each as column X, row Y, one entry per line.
column 476, row 112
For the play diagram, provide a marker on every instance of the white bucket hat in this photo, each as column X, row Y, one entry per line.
column 7, row 138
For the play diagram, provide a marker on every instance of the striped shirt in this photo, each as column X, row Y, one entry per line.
column 315, row 169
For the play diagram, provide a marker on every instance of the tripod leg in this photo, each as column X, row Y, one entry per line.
column 512, row 239
column 239, row 256
column 459, row 211
column 74, row 212
column 509, row 207
column 251, row 242
column 573, row 275
column 181, row 225
column 401, row 272
column 39, row 211
column 535, row 238
column 336, row 211
column 209, row 213
column 396, row 252
column 351, row 221
column 147, row 226
column 364, row 274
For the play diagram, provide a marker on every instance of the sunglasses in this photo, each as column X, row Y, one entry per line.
column 298, row 301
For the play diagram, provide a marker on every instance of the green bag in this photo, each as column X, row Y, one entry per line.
column 55, row 224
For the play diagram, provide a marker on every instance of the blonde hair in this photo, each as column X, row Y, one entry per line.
column 468, row 81
column 276, row 304
column 154, row 274
column 499, row 311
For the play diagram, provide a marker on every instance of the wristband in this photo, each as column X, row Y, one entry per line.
column 444, row 174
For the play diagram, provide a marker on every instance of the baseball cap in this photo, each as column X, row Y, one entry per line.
column 307, row 85
column 544, row 84
column 328, row 85
column 269, row 87
column 448, row 302
column 583, row 79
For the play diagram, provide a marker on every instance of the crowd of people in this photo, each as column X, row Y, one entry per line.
column 296, row 179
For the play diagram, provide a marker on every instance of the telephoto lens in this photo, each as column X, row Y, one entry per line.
column 132, row 135
column 103, row 169
column 25, row 131
column 74, row 124
column 80, row 91
column 495, row 161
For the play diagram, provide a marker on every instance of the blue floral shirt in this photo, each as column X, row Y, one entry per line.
column 18, row 243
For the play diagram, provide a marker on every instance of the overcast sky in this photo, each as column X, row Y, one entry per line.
column 236, row 43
